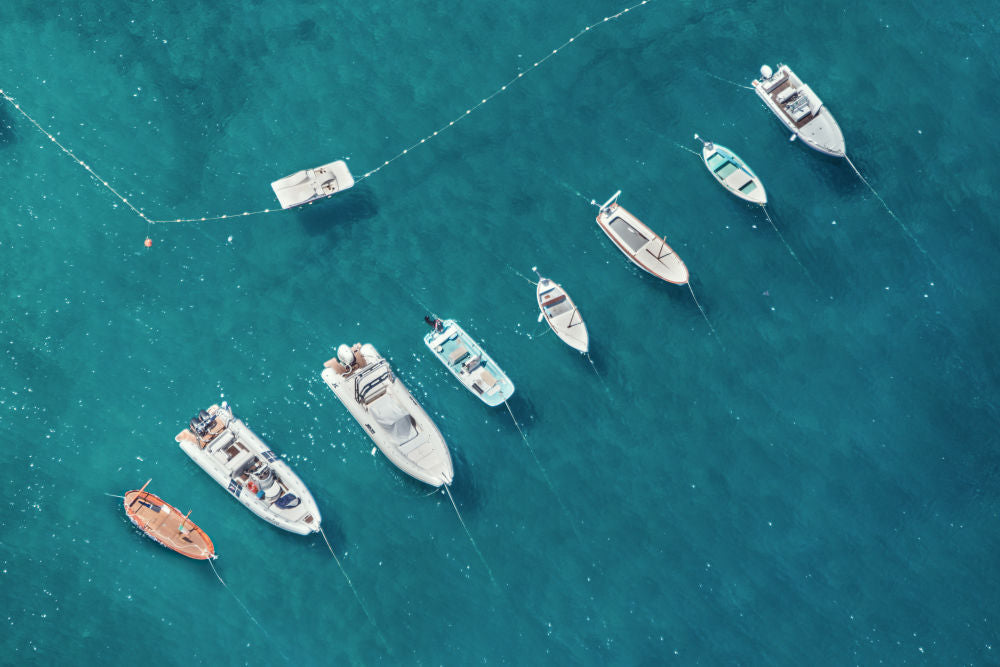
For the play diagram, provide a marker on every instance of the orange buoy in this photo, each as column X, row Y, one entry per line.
column 149, row 243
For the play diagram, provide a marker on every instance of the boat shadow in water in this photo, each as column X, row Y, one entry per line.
column 348, row 207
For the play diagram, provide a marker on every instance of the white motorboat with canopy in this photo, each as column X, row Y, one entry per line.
column 309, row 185
column 638, row 242
column 364, row 382
column 561, row 313
column 236, row 458
column 800, row 110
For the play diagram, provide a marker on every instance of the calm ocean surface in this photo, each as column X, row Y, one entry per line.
column 818, row 485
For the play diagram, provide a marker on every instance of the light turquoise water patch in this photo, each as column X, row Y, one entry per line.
column 821, row 491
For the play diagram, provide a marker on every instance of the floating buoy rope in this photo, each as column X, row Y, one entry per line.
column 211, row 218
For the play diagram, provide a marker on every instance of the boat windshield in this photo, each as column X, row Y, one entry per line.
column 372, row 382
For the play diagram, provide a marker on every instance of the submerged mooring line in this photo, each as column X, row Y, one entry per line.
column 545, row 475
column 246, row 610
column 471, row 539
column 788, row 247
column 357, row 596
column 703, row 314
column 886, row 206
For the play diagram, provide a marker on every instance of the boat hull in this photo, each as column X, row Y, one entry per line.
column 741, row 181
column 449, row 344
column 562, row 315
column 818, row 130
column 309, row 185
column 302, row 519
column 641, row 245
column 425, row 457
column 162, row 523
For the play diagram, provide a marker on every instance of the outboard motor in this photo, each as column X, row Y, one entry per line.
column 201, row 424
column 345, row 355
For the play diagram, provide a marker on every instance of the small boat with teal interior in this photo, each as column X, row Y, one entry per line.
column 468, row 362
column 732, row 173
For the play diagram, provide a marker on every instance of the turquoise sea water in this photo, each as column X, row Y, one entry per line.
column 819, row 485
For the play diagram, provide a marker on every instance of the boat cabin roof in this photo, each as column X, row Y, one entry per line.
column 632, row 238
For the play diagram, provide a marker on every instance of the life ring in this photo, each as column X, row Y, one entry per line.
column 252, row 486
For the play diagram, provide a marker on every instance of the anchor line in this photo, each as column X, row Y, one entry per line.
column 787, row 246
column 210, row 218
column 703, row 314
column 113, row 495
column 886, row 206
column 357, row 596
column 545, row 475
column 246, row 610
column 685, row 148
column 521, row 275
column 738, row 85
column 471, row 539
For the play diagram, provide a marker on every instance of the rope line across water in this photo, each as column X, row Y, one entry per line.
column 209, row 218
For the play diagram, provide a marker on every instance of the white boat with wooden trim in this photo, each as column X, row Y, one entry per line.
column 309, row 185
column 732, row 173
column 640, row 244
column 364, row 382
column 243, row 464
column 800, row 110
column 561, row 313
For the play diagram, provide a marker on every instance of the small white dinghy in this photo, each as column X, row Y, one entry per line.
column 732, row 173
column 309, row 185
column 561, row 313
column 638, row 242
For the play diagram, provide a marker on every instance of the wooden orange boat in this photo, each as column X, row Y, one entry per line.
column 163, row 522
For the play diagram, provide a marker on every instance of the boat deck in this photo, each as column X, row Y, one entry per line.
column 167, row 526
column 799, row 124
column 473, row 367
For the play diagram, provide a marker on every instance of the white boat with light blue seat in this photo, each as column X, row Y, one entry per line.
column 800, row 110
column 732, row 173
column 469, row 363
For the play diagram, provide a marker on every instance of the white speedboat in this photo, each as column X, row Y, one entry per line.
column 732, row 173
column 468, row 362
column 638, row 242
column 800, row 109
column 561, row 313
column 243, row 464
column 309, row 185
column 363, row 381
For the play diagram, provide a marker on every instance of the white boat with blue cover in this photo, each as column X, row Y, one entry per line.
column 732, row 173
column 240, row 462
column 468, row 362
column 800, row 110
